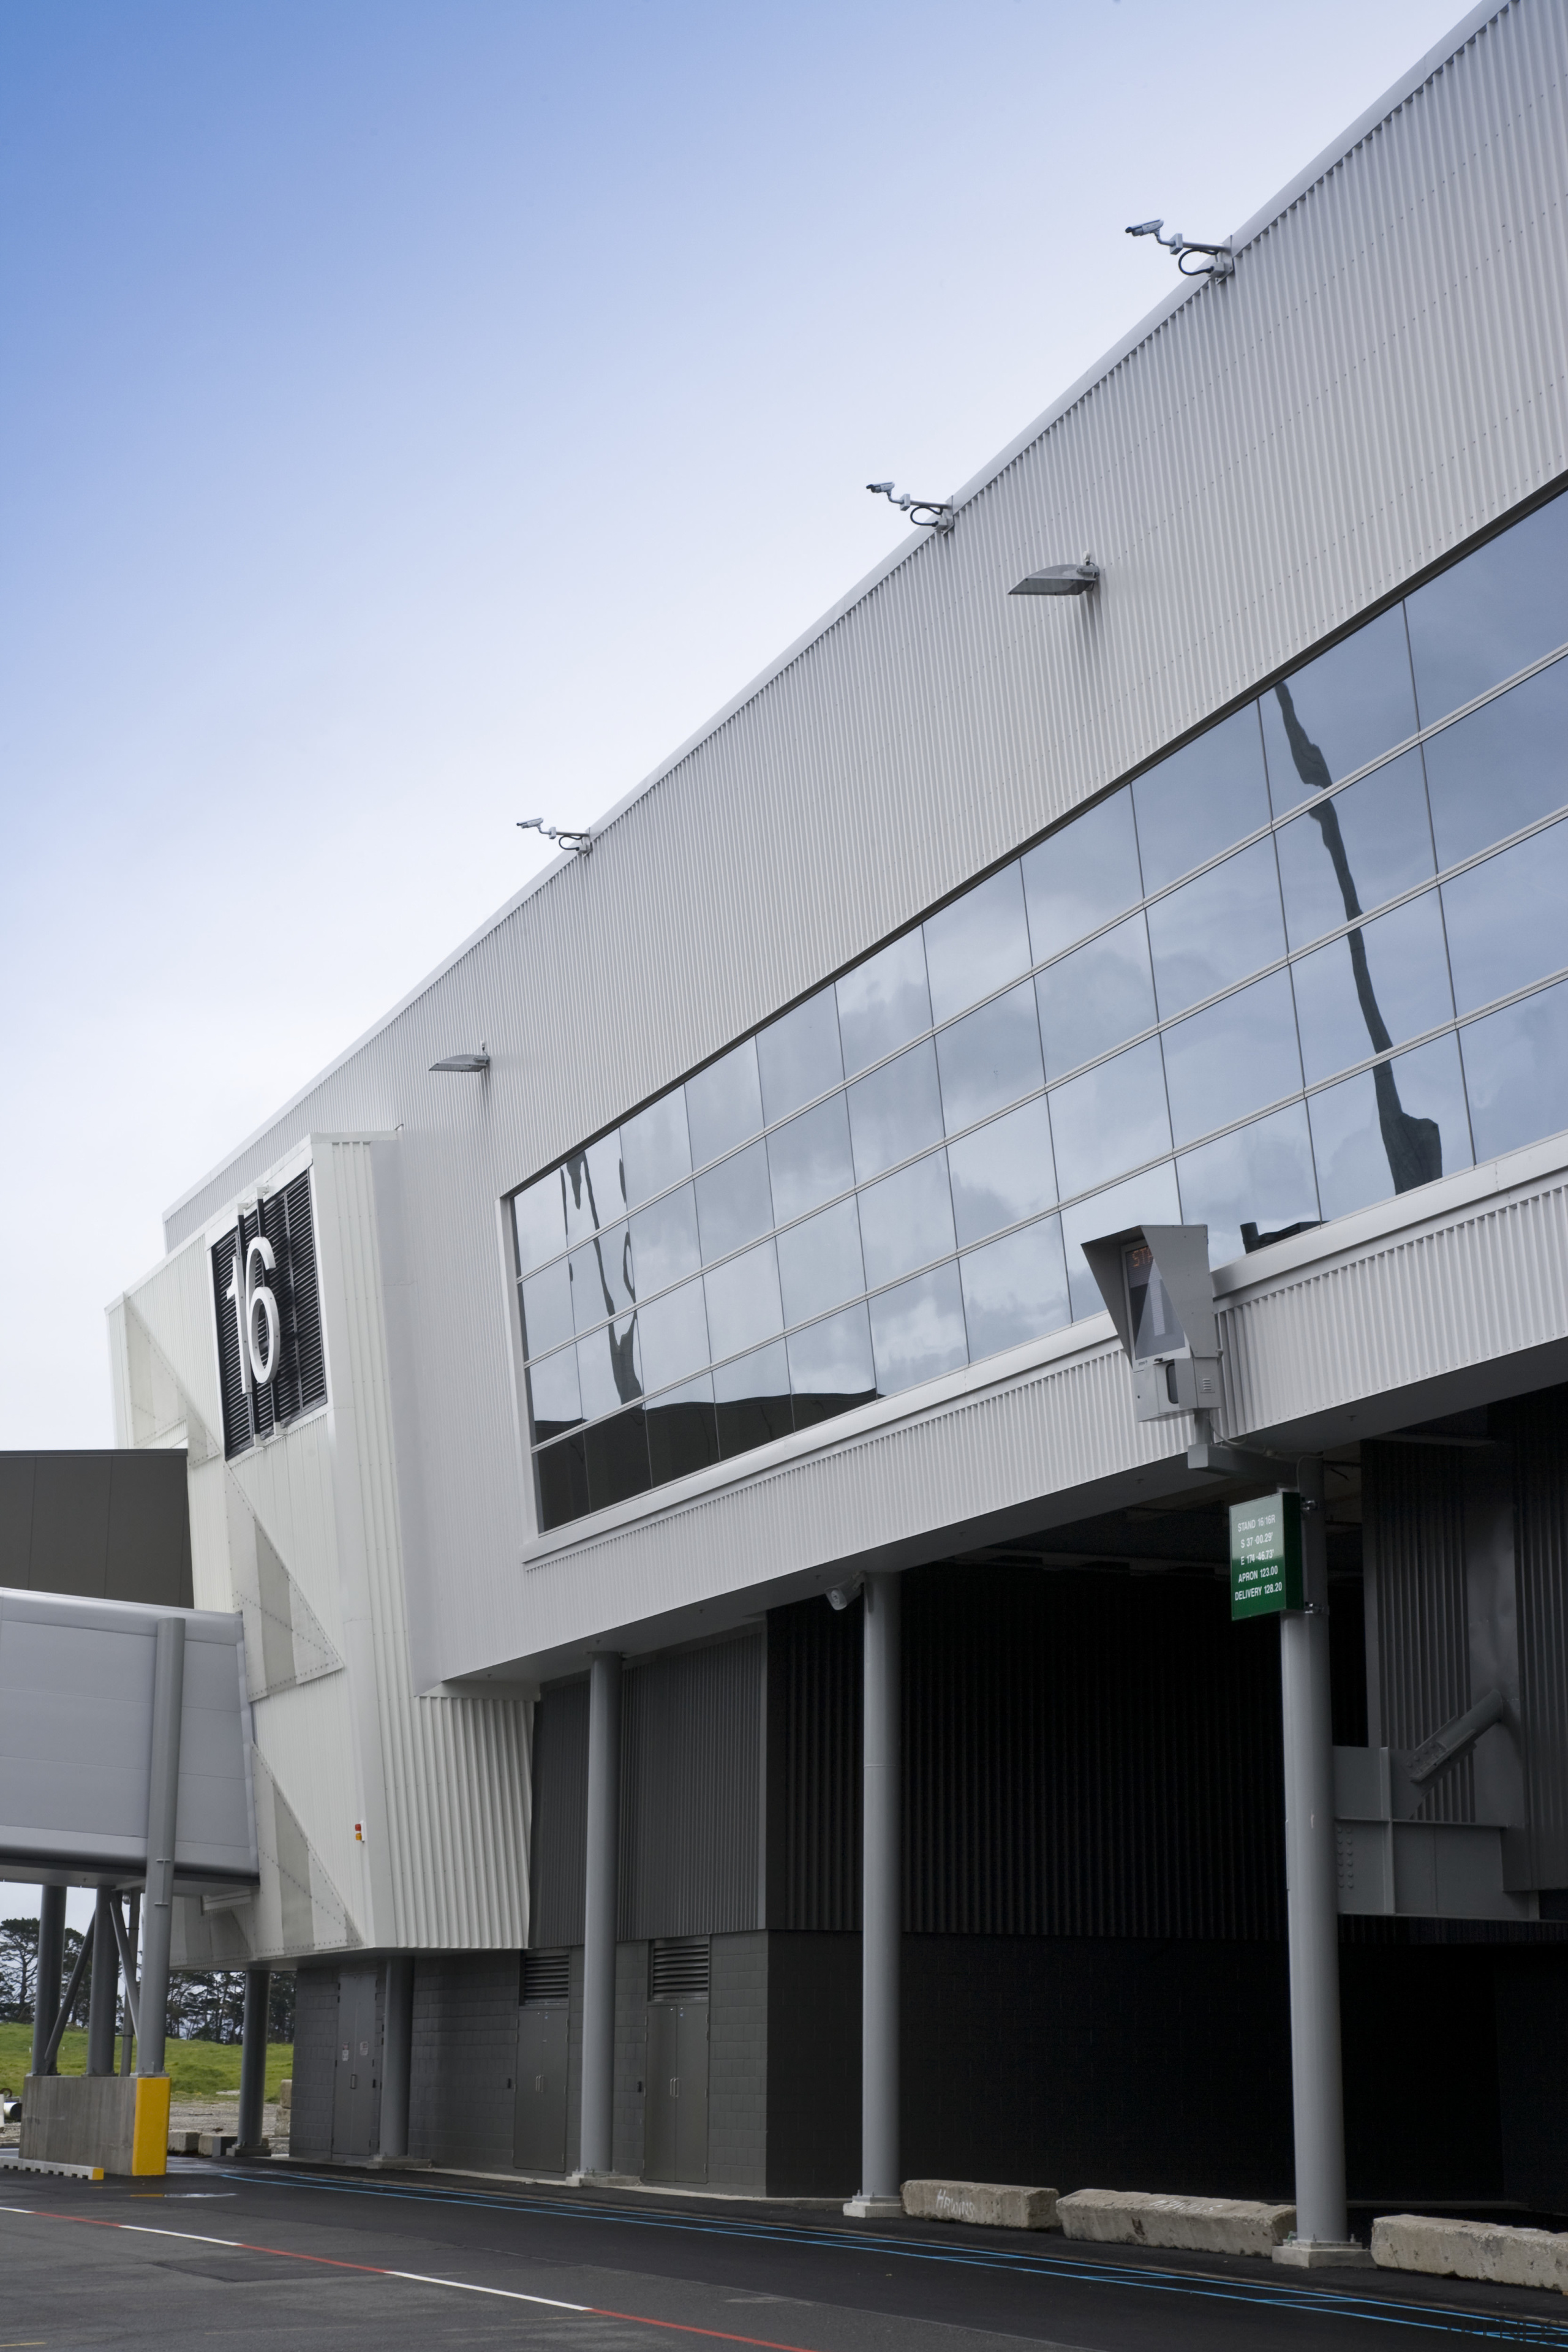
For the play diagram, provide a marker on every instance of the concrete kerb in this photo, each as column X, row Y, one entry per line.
column 1503, row 2255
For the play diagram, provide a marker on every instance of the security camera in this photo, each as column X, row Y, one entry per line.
column 841, row 1595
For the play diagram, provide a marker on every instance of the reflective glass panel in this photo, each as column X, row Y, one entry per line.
column 1355, row 850
column 618, row 1459
column 1351, row 1004
column 883, row 1003
column 743, row 1305
column 830, row 1367
column 896, row 1111
column 553, row 1394
column 752, row 1400
column 906, row 1220
column 990, row 1058
column 594, row 1196
column 654, row 1151
column 1002, row 1174
column 547, row 1308
column 1147, row 1199
column 1339, row 711
column 1016, row 1289
column 917, row 1330
column 1210, row 793
column 798, row 1057
column 1259, row 1179
column 977, row 944
column 1483, row 619
column 664, row 1242
column 1516, row 1066
column 1505, row 919
column 1234, row 1058
column 724, row 1103
column 1391, row 1129
column 674, row 1336
column 682, row 1432
column 819, row 1263
column 1501, row 768
column 601, row 1278
column 1111, row 1119
column 563, row 1482
column 734, row 1203
column 809, row 1160
column 1214, row 932
column 1096, row 997
column 540, row 1217
column 609, row 1367
column 1081, row 877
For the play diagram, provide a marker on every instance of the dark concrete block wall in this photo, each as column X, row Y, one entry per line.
column 738, row 2062
column 813, row 2064
column 315, row 2055
column 631, row 2055
column 460, row 2092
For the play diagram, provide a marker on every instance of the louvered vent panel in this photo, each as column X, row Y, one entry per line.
column 300, row 1382
column 679, row 1969
column 546, row 1977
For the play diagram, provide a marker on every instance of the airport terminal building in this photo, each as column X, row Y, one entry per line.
column 733, row 1667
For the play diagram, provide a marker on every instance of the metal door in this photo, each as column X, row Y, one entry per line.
column 538, row 2124
column 674, row 2114
column 356, row 2085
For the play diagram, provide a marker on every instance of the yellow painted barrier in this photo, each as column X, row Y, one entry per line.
column 149, row 2132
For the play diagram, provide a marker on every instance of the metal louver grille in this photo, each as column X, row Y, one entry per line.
column 285, row 1220
column 678, row 1970
column 546, row 1977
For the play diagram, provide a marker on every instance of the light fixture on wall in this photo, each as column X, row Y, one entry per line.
column 928, row 514
column 464, row 1064
column 1061, row 580
column 1221, row 262
column 580, row 843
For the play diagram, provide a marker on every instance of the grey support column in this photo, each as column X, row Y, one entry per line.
column 103, row 1999
column 396, row 2059
column 162, row 1818
column 597, row 2152
column 253, row 2060
column 881, row 1929
column 132, row 1941
column 46, row 1978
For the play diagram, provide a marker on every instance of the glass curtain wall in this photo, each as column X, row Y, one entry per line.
column 1313, row 958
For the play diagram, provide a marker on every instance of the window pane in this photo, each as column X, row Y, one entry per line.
column 743, row 1301
column 1081, row 877
column 555, row 1398
column 1210, row 793
column 654, row 1148
column 896, row 1111
column 1234, row 1058
column 539, row 1215
column 595, row 1193
column 563, row 1482
column 1516, row 1069
column 917, row 1330
column 724, row 1104
column 906, row 1220
column 819, row 1263
column 1391, row 1129
column 977, row 944
column 682, row 1432
column 1217, row 929
column 1339, row 711
column 990, row 1059
column 1345, row 1014
column 618, row 1459
column 830, row 1367
column 1505, row 919
column 601, row 1278
column 609, row 1367
column 753, row 1400
column 809, row 1160
column 1004, row 1174
column 1111, row 1119
column 734, row 1203
column 547, row 1308
column 1259, row 1180
column 1090, row 1000
column 798, row 1057
column 1016, row 1289
column 1482, row 620
column 1146, row 1200
column 1356, row 850
column 1501, row 768
column 883, row 1003
column 674, row 1336
column 664, row 1242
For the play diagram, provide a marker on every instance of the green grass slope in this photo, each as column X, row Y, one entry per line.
column 197, row 2070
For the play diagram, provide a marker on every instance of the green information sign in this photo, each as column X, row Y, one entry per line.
column 1266, row 1555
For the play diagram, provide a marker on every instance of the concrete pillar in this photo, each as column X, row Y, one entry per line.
column 52, row 1964
column 397, row 2057
column 881, row 1928
column 163, row 1820
column 599, row 1914
column 132, row 1940
column 253, row 2059
column 103, row 1997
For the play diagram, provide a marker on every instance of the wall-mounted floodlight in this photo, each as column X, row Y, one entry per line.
column 1061, row 580
column 463, row 1063
column 1156, row 1282
column 930, row 514
column 1221, row 262
column 580, row 843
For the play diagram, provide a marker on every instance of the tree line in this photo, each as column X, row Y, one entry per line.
column 205, row 2004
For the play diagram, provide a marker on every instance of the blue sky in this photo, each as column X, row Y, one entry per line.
column 418, row 416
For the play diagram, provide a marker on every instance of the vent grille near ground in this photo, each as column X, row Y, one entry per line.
column 284, row 1219
column 679, row 1969
column 546, row 1975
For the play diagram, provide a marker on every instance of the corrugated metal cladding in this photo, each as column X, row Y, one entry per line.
column 1266, row 460
column 1538, row 1426
column 560, row 1815
column 815, row 1689
column 1413, row 1538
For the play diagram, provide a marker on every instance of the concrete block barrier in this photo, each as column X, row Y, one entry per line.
column 1472, row 2249
column 1198, row 2225
column 986, row 2204
column 185, row 2143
